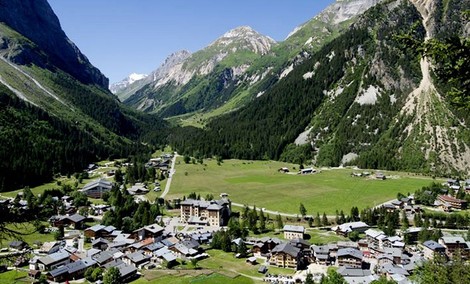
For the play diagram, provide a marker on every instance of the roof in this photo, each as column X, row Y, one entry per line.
column 76, row 218
column 321, row 249
column 76, row 266
column 95, row 228
column 59, row 271
column 453, row 240
column 103, row 257
column 392, row 269
column 353, row 272
column 54, row 257
column 153, row 228
column 350, row 252
column 447, row 198
column 373, row 233
column 154, row 246
column 99, row 182
column 348, row 227
column 296, row 229
column 98, row 241
column 287, row 249
column 126, row 270
column 432, row 245
column 137, row 257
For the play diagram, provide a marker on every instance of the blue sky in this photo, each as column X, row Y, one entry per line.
column 123, row 36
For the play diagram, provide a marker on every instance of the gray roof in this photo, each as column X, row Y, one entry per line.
column 353, row 272
column 99, row 182
column 153, row 228
column 54, row 257
column 291, row 228
column 59, row 271
column 374, row 233
column 432, row 245
column 154, row 246
column 392, row 269
column 351, row 252
column 103, row 257
column 126, row 270
column 100, row 240
column 137, row 257
column 113, row 263
column 96, row 228
column 453, row 240
column 88, row 261
column 321, row 249
column 76, row 266
column 287, row 249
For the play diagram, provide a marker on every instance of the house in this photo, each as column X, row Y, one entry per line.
column 346, row 228
column 137, row 259
column 293, row 232
column 349, row 257
column 95, row 189
column 284, row 255
column 100, row 244
column 453, row 202
column 71, row 271
column 99, row 231
column 380, row 176
column 467, row 186
column 357, row 275
column 215, row 212
column 321, row 254
column 390, row 269
column 103, row 257
column 51, row 247
column 374, row 239
column 18, row 245
column 138, row 189
column 264, row 245
column 431, row 248
column 262, row 269
column 127, row 272
column 453, row 184
column 53, row 260
column 75, row 220
column 453, row 244
column 182, row 251
column 151, row 231
column 165, row 255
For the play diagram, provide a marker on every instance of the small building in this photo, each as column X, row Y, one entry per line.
column 151, row 231
column 75, row 220
column 18, row 245
column 97, row 188
column 101, row 244
column 293, row 232
column 284, row 255
column 453, row 202
column 138, row 259
column 349, row 257
column 321, row 254
column 138, row 189
column 283, row 170
column 307, row 171
column 262, row 269
column 431, row 248
column 99, row 231
column 454, row 244
column 346, row 228
column 380, row 176
column 53, row 260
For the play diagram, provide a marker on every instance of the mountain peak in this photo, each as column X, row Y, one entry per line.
column 244, row 37
column 116, row 87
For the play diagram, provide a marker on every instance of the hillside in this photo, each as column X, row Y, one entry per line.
column 364, row 99
column 64, row 115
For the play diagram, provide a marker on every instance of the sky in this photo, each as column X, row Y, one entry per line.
column 123, row 36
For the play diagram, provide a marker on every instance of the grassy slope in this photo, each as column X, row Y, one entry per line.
column 258, row 183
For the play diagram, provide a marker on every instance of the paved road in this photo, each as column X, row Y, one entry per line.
column 170, row 177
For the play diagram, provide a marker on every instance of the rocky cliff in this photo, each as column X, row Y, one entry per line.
column 35, row 20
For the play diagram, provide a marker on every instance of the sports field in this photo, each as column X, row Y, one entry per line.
column 259, row 183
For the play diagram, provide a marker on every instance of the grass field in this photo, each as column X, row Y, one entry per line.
column 259, row 183
column 14, row 276
column 190, row 277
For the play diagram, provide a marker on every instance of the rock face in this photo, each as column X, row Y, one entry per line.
column 134, row 77
column 36, row 20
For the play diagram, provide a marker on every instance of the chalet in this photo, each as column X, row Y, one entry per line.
column 300, row 243
column 412, row 233
column 293, row 232
column 101, row 244
column 151, row 231
column 127, row 272
column 454, row 184
column 164, row 254
column 467, row 186
column 215, row 212
column 138, row 189
column 95, row 189
column 264, row 245
column 431, row 248
column 453, row 202
column 18, row 245
column 99, row 231
column 182, row 251
column 390, row 269
column 71, row 271
column 75, row 220
column 349, row 257
column 137, row 259
column 375, row 239
column 51, row 247
column 150, row 249
column 346, row 228
column 321, row 254
column 356, row 275
column 103, row 257
column 53, row 260
column 453, row 244
column 284, row 255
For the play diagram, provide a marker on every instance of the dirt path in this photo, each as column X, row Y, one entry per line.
column 170, row 176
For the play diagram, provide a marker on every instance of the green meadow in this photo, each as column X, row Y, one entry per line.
column 259, row 183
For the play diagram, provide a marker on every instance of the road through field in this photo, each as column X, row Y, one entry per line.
column 170, row 176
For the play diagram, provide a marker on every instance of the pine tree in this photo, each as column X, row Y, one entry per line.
column 302, row 210
column 325, row 220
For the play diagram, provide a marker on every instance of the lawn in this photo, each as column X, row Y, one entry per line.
column 259, row 183
column 190, row 277
column 28, row 234
column 14, row 276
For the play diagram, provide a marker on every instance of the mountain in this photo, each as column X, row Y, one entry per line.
column 204, row 79
column 57, row 114
column 364, row 98
column 124, row 83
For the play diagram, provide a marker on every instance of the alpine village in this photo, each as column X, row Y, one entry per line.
column 338, row 155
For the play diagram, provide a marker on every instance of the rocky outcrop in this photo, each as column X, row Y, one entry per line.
column 35, row 20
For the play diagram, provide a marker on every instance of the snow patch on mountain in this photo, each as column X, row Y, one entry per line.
column 369, row 96
column 132, row 78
